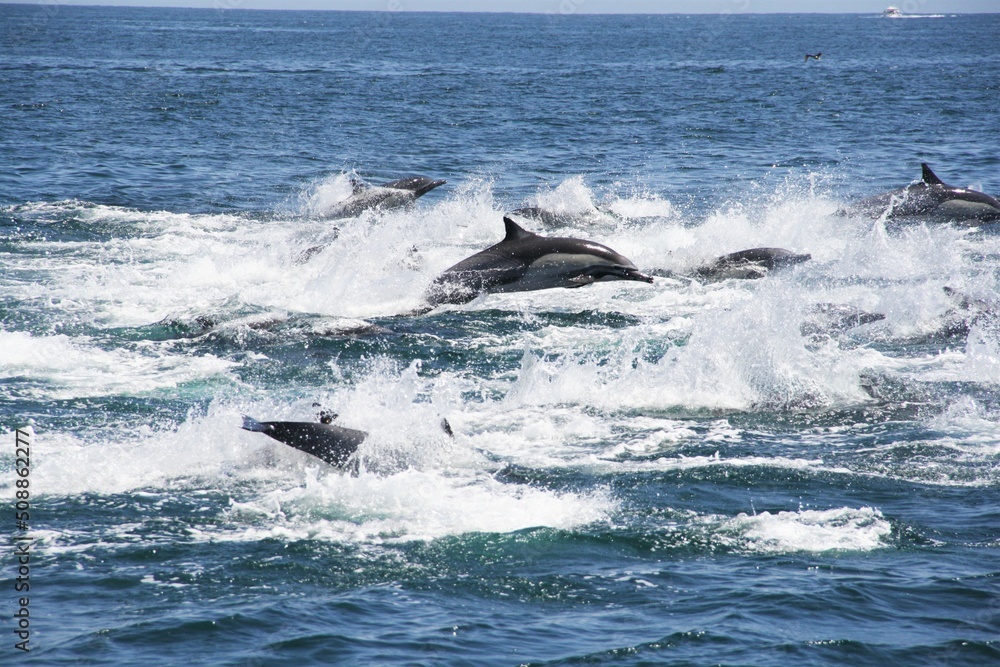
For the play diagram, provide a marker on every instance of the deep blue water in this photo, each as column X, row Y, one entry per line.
column 640, row 474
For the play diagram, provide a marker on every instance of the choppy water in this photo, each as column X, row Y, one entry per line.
column 665, row 474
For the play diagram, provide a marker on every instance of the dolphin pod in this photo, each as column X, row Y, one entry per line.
column 524, row 261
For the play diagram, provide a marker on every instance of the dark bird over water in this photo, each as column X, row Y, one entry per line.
column 816, row 56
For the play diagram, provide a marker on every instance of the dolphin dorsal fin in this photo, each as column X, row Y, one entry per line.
column 929, row 177
column 514, row 231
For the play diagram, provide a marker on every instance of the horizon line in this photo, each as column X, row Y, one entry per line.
column 229, row 5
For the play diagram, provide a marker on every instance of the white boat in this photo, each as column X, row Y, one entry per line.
column 891, row 12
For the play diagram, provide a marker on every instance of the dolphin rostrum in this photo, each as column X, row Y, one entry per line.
column 333, row 444
column 525, row 261
column 395, row 194
column 932, row 198
column 750, row 264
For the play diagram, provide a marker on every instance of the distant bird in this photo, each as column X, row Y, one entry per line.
column 817, row 56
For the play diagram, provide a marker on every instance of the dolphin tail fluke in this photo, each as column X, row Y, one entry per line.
column 251, row 424
column 928, row 176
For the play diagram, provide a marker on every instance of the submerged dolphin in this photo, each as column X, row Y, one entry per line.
column 829, row 318
column 750, row 264
column 968, row 312
column 550, row 218
column 333, row 444
column 525, row 261
column 394, row 194
column 932, row 198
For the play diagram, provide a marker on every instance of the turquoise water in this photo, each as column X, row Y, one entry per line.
column 640, row 474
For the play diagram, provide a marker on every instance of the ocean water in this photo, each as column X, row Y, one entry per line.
column 639, row 475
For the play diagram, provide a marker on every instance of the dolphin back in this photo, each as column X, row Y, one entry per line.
column 332, row 444
column 751, row 264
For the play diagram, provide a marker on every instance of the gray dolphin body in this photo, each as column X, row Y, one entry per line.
column 333, row 444
column 830, row 318
column 589, row 216
column 525, row 261
column 394, row 194
column 750, row 264
column 968, row 311
column 931, row 198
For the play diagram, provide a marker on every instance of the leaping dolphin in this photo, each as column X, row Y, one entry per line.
column 750, row 264
column 333, row 444
column 395, row 194
column 932, row 198
column 525, row 261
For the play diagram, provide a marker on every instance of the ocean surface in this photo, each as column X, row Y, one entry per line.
column 683, row 473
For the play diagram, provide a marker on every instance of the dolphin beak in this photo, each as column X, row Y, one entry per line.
column 424, row 189
column 617, row 272
column 634, row 274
